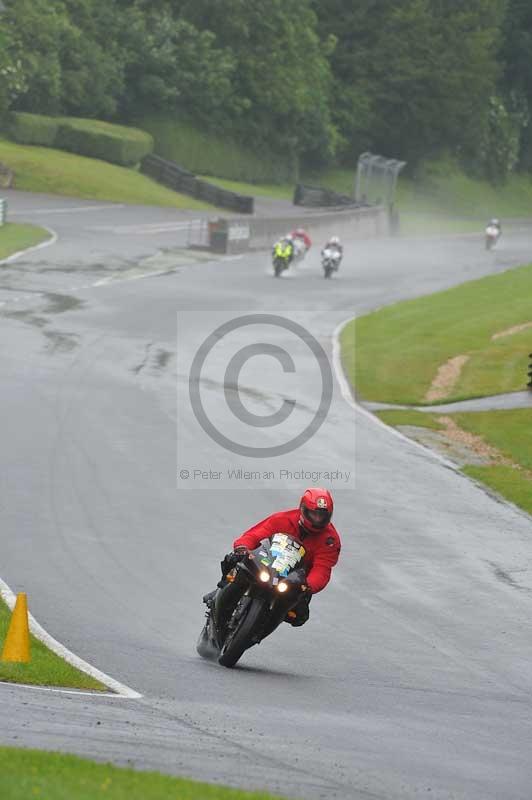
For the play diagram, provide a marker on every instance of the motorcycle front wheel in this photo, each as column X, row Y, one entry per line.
column 240, row 639
column 278, row 267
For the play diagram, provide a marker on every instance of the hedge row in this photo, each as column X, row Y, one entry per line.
column 33, row 129
column 86, row 137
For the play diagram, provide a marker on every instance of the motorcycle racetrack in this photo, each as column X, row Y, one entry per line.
column 413, row 677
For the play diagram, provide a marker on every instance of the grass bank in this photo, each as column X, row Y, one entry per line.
column 43, row 169
column 442, row 188
column 15, row 237
column 207, row 153
column 393, row 354
column 45, row 668
column 32, row 773
column 510, row 432
column 508, row 467
column 283, row 191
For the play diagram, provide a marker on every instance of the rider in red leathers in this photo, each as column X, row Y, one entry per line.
column 311, row 525
column 302, row 235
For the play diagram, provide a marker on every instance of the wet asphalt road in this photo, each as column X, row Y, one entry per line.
column 413, row 677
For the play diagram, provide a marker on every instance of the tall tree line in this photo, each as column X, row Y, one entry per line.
column 321, row 79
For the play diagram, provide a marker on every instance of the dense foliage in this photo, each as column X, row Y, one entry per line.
column 313, row 79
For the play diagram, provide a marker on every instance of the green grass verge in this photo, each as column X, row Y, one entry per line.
column 506, row 481
column 509, row 431
column 283, row 191
column 15, row 237
column 32, row 773
column 445, row 200
column 45, row 668
column 393, row 354
column 419, row 419
column 414, row 223
column 207, row 153
column 43, row 169
column 443, row 188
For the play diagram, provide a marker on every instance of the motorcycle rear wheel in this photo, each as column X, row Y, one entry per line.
column 239, row 641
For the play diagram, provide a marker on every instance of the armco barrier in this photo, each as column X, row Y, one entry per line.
column 180, row 180
column 3, row 211
column 229, row 235
column 346, row 223
column 529, row 384
column 236, row 235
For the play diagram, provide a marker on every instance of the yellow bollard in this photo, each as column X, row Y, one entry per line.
column 17, row 643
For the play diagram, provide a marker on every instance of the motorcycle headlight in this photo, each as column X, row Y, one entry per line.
column 282, row 587
column 264, row 576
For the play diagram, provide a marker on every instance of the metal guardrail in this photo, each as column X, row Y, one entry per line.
column 376, row 179
column 181, row 180
column 3, row 211
column 529, row 384
column 357, row 222
column 237, row 235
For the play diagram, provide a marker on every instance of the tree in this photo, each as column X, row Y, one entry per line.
column 172, row 65
column 92, row 59
column 11, row 77
column 35, row 28
column 517, row 78
column 413, row 78
column 282, row 77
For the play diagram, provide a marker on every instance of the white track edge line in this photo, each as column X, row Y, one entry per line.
column 38, row 631
column 347, row 394
column 56, row 689
column 54, row 237
column 64, row 210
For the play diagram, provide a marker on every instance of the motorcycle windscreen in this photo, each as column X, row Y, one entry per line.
column 286, row 553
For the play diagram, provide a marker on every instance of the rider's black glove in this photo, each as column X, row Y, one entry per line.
column 232, row 559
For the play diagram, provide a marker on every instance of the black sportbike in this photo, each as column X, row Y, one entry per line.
column 259, row 592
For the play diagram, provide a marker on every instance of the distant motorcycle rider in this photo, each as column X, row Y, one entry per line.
column 333, row 243
column 284, row 249
column 492, row 233
column 495, row 223
column 311, row 525
column 302, row 236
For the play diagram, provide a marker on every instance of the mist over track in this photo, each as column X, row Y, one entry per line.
column 415, row 670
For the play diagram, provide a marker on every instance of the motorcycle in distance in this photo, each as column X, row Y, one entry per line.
column 492, row 236
column 283, row 254
column 280, row 263
column 300, row 250
column 259, row 592
column 330, row 261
